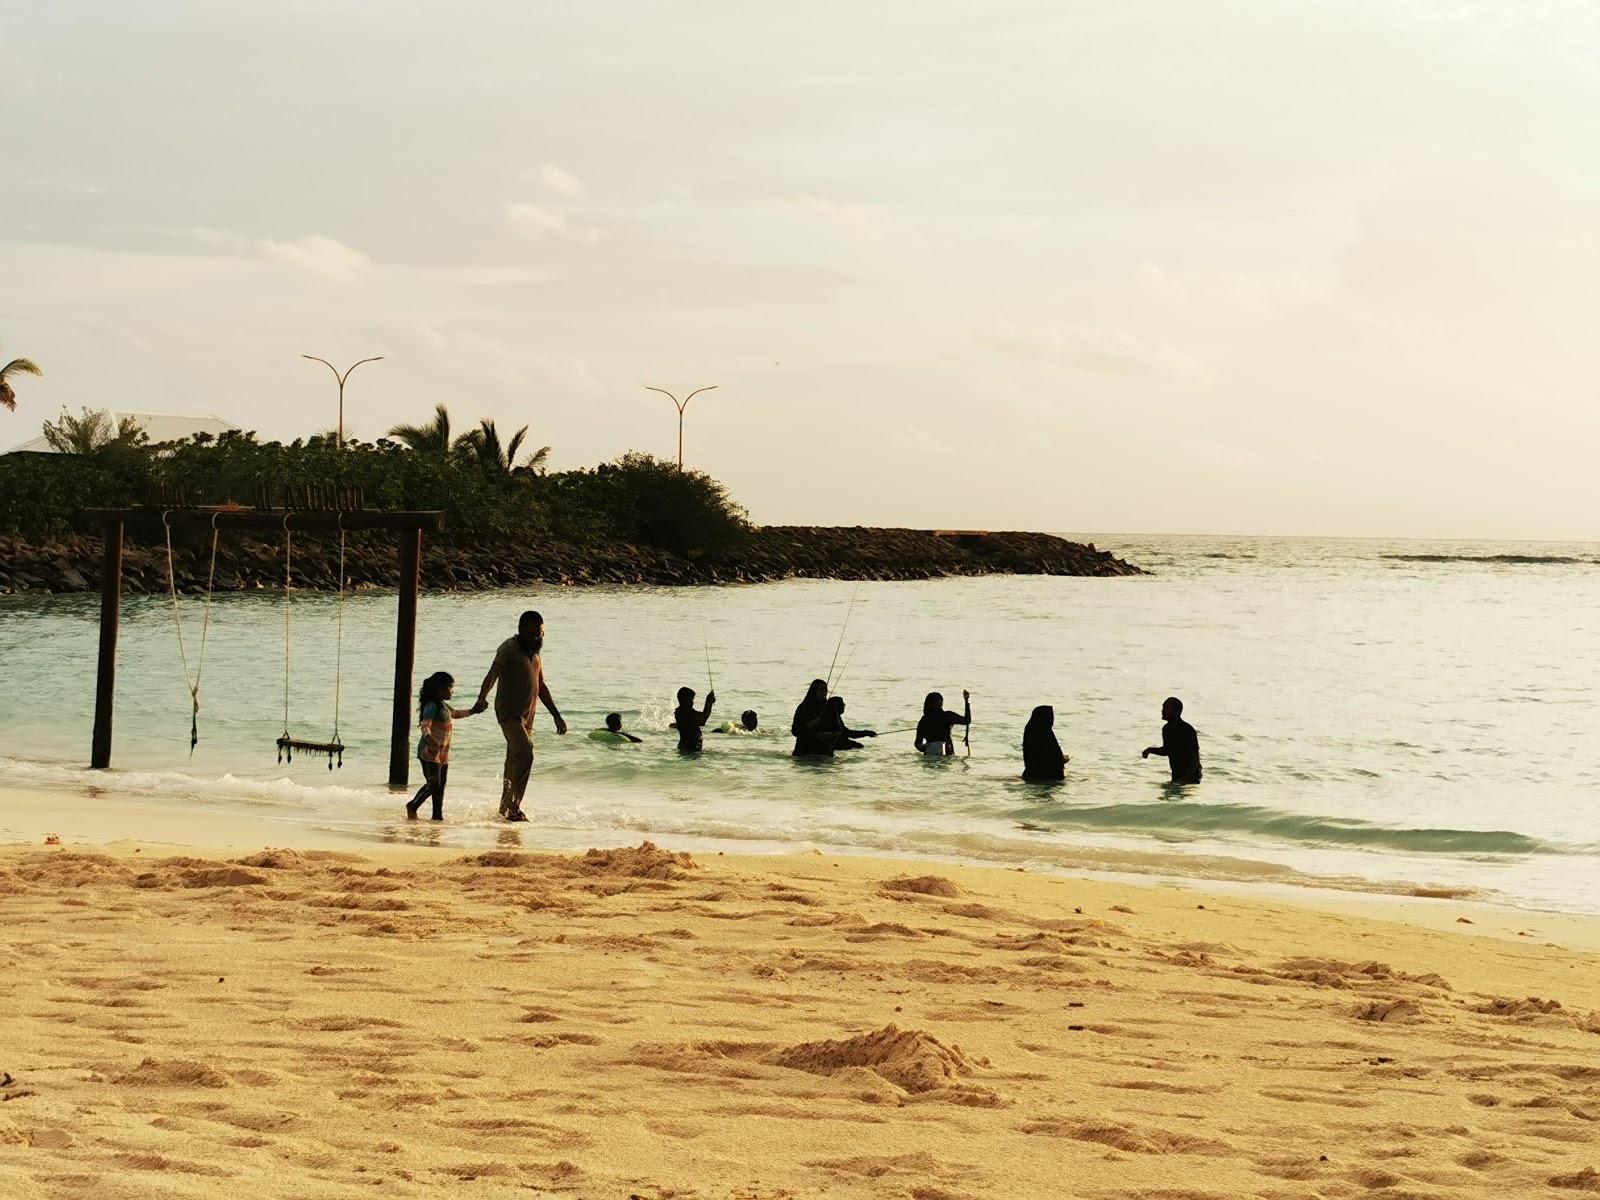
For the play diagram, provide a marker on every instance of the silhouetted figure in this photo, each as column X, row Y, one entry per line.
column 934, row 735
column 613, row 732
column 690, row 723
column 747, row 723
column 1042, row 760
column 1180, row 744
column 807, row 723
column 517, row 677
column 834, row 734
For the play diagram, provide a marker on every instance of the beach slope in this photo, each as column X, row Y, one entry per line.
column 634, row 1022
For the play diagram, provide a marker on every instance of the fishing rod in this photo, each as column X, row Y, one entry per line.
column 853, row 648
column 842, row 630
column 706, row 640
column 966, row 737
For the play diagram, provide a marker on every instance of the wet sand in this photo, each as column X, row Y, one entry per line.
column 318, row 1022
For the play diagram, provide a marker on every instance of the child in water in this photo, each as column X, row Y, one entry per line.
column 433, row 748
column 613, row 732
column 689, row 723
column 747, row 723
column 934, row 731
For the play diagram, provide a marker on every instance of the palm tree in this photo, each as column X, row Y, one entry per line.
column 17, row 366
column 432, row 438
column 483, row 444
column 87, row 433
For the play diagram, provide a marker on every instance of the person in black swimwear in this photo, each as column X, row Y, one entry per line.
column 1042, row 759
column 933, row 731
column 1180, row 744
column 689, row 722
column 807, row 721
column 834, row 734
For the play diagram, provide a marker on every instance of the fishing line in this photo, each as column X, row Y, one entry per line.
column 842, row 630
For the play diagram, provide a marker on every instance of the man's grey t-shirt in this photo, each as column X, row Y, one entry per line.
column 518, row 685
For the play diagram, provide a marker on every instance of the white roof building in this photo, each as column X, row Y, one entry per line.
column 158, row 427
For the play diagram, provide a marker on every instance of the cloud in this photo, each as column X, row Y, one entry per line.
column 317, row 255
column 559, row 181
column 1099, row 351
column 535, row 224
column 914, row 440
column 862, row 221
column 321, row 256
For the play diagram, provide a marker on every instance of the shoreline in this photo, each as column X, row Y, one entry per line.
column 71, row 563
column 638, row 1021
column 96, row 818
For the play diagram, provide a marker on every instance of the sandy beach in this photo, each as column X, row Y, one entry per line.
column 319, row 1022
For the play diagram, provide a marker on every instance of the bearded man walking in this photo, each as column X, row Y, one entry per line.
column 517, row 675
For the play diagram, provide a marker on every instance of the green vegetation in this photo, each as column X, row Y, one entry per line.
column 14, row 368
column 475, row 478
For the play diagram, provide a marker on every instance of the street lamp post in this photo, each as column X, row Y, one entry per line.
column 681, row 405
column 341, row 379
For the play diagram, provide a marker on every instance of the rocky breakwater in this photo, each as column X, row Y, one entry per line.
column 72, row 563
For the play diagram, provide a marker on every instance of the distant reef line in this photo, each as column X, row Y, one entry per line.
column 71, row 563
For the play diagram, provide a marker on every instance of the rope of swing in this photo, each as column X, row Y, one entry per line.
column 338, row 643
column 288, row 603
column 192, row 682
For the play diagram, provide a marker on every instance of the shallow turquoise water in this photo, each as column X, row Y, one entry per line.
column 1368, row 710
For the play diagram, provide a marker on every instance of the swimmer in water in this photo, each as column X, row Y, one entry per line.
column 1180, row 744
column 934, row 736
column 834, row 733
column 689, row 722
column 613, row 732
column 747, row 723
column 1042, row 759
column 808, row 720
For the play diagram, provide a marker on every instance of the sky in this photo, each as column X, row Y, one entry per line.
column 1229, row 266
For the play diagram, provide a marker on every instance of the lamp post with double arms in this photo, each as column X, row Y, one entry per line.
column 341, row 379
column 681, row 405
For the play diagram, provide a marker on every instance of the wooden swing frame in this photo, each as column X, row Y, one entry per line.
column 408, row 526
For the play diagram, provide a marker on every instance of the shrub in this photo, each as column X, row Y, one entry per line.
column 637, row 499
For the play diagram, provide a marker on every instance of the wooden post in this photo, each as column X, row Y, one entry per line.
column 110, row 612
column 405, row 657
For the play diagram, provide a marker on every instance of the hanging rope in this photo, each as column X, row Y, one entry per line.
column 288, row 584
column 338, row 647
column 287, row 744
column 192, row 682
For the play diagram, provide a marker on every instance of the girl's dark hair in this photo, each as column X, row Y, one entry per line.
column 933, row 703
column 433, row 689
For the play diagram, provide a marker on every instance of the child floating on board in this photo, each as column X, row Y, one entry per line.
column 613, row 731
column 433, row 748
column 748, row 722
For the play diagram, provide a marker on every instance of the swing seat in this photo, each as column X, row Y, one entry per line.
column 288, row 745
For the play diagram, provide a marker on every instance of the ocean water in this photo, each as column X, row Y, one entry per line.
column 1372, row 714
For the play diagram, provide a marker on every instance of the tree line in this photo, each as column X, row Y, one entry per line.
column 489, row 487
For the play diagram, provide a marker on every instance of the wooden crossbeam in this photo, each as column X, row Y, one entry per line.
column 298, row 521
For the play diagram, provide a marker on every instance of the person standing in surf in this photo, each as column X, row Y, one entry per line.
column 1042, row 759
column 935, row 736
column 834, row 734
column 807, row 724
column 1180, row 744
column 436, row 719
column 690, row 722
column 517, row 675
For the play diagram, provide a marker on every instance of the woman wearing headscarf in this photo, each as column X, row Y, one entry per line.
column 807, row 723
column 1042, row 760
column 833, row 733
column 934, row 735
